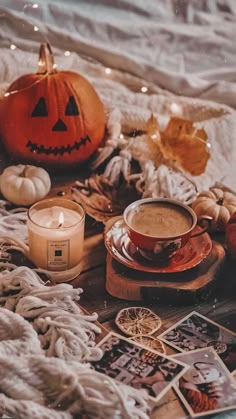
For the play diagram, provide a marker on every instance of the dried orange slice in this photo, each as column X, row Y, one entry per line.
column 137, row 321
column 150, row 342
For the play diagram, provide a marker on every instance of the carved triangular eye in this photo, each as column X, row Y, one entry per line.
column 40, row 108
column 71, row 107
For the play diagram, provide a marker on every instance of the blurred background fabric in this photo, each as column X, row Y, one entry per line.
column 185, row 46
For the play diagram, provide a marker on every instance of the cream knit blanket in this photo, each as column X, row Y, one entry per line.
column 44, row 362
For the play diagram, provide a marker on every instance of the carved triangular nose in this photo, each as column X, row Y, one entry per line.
column 59, row 126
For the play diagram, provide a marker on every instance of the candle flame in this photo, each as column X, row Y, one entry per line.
column 61, row 219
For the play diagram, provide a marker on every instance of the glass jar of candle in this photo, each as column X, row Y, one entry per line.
column 56, row 235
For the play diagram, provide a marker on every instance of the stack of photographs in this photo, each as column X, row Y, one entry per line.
column 209, row 350
column 137, row 366
column 203, row 372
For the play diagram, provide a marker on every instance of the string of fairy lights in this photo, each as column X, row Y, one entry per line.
column 107, row 70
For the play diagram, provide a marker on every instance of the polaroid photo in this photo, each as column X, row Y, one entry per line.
column 207, row 386
column 138, row 367
column 196, row 331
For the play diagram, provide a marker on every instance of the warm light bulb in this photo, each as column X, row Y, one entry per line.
column 175, row 108
column 35, row 6
column 107, row 70
column 36, row 28
column 144, row 89
column 67, row 53
column 13, row 46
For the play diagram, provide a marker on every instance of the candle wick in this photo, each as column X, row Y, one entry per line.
column 61, row 220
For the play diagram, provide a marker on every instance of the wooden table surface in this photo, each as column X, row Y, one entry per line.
column 219, row 306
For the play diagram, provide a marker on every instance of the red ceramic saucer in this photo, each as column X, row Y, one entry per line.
column 124, row 251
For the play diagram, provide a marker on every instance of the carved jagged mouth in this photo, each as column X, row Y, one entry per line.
column 41, row 149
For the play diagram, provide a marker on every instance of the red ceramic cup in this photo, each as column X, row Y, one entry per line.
column 163, row 246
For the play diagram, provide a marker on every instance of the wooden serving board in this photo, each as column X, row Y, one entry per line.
column 186, row 287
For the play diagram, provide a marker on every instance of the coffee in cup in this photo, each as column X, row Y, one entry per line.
column 161, row 219
column 161, row 226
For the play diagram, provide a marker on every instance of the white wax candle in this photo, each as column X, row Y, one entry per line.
column 56, row 236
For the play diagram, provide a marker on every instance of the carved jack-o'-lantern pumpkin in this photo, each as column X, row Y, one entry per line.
column 53, row 117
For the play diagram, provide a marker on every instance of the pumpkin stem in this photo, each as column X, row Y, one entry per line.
column 220, row 201
column 23, row 173
column 46, row 60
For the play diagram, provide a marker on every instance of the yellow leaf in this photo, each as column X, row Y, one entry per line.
column 186, row 145
column 178, row 126
column 153, row 128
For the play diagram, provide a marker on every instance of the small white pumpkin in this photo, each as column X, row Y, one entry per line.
column 24, row 185
column 218, row 204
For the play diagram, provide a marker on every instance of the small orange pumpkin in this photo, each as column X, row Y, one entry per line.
column 53, row 118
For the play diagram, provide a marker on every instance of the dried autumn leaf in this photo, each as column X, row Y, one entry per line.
column 186, row 145
column 153, row 128
column 100, row 199
column 137, row 321
column 179, row 126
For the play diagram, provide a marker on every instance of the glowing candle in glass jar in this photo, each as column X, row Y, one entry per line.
column 56, row 234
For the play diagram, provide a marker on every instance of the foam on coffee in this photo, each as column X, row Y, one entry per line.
column 160, row 219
